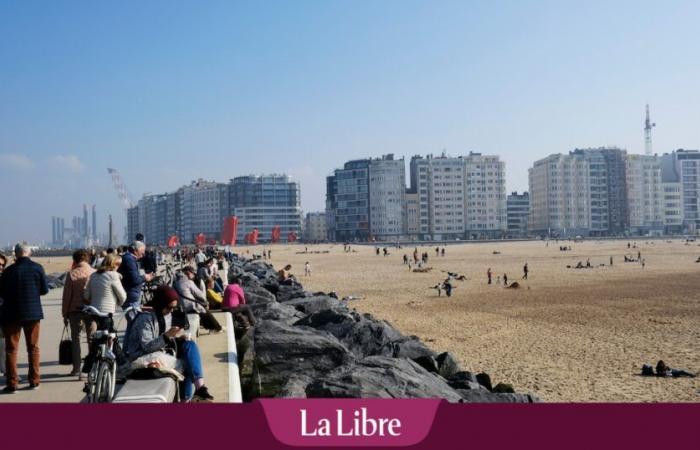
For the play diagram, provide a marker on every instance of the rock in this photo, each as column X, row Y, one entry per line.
column 447, row 364
column 428, row 363
column 381, row 377
column 310, row 305
column 339, row 324
column 485, row 380
column 464, row 380
column 276, row 312
column 412, row 348
column 282, row 351
column 295, row 387
column 257, row 294
column 287, row 292
column 484, row 396
column 502, row 388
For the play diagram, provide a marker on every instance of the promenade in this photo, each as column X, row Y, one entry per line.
column 58, row 387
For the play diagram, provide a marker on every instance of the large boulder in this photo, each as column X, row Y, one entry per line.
column 282, row 351
column 276, row 312
column 381, row 377
column 286, row 292
column 448, row 365
column 484, row 396
column 336, row 322
column 310, row 305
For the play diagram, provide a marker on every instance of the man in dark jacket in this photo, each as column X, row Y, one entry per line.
column 132, row 280
column 21, row 286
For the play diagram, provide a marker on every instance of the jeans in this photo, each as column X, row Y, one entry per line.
column 75, row 319
column 192, row 366
column 12, row 333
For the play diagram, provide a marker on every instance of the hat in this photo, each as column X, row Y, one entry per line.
column 163, row 296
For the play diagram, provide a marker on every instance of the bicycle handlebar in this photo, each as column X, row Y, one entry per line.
column 88, row 309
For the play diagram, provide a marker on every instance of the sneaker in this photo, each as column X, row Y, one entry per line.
column 9, row 390
column 33, row 387
column 202, row 395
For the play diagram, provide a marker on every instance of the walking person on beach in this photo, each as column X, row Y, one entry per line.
column 21, row 286
column 525, row 271
column 73, row 302
column 447, row 285
column 489, row 274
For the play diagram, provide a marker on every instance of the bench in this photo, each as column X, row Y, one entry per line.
column 158, row 390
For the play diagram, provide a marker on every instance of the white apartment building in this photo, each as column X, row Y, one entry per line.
column 315, row 227
column 387, row 195
column 203, row 207
column 645, row 194
column 560, row 195
column 412, row 214
column 485, row 195
column 459, row 197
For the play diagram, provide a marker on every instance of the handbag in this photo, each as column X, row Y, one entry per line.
column 65, row 349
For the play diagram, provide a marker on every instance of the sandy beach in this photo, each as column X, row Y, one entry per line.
column 565, row 335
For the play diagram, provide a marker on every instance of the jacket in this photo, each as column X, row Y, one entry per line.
column 189, row 294
column 132, row 280
column 144, row 337
column 21, row 286
column 104, row 291
column 74, row 288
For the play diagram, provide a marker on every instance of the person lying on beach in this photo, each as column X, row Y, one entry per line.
column 662, row 370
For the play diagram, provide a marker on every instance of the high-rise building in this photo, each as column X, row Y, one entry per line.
column 645, row 194
column 518, row 211
column 460, row 197
column 682, row 169
column 315, row 228
column 348, row 189
column 387, row 191
column 264, row 202
column 94, row 223
column 203, row 207
column 412, row 214
column 581, row 193
column 441, row 189
column 85, row 232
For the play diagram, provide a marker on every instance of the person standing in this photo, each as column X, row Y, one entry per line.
column 132, row 280
column 505, row 279
column 525, row 271
column 21, row 286
column 307, row 269
column 489, row 274
column 74, row 300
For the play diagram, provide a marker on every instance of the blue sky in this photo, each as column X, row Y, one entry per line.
column 172, row 91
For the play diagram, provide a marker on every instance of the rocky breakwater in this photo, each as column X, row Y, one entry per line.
column 312, row 345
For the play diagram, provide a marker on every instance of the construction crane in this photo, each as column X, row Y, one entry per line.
column 120, row 187
column 648, row 125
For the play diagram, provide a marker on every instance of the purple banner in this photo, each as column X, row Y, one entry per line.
column 274, row 423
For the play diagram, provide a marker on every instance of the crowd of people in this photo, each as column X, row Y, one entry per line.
column 115, row 279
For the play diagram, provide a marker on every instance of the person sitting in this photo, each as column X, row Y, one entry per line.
column 284, row 277
column 235, row 303
column 213, row 297
column 193, row 300
column 154, row 332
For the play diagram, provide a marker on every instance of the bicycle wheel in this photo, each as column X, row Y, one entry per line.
column 91, row 383
column 104, row 385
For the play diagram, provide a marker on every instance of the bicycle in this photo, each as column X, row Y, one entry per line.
column 101, row 379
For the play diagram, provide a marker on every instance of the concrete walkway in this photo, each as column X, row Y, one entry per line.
column 58, row 387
